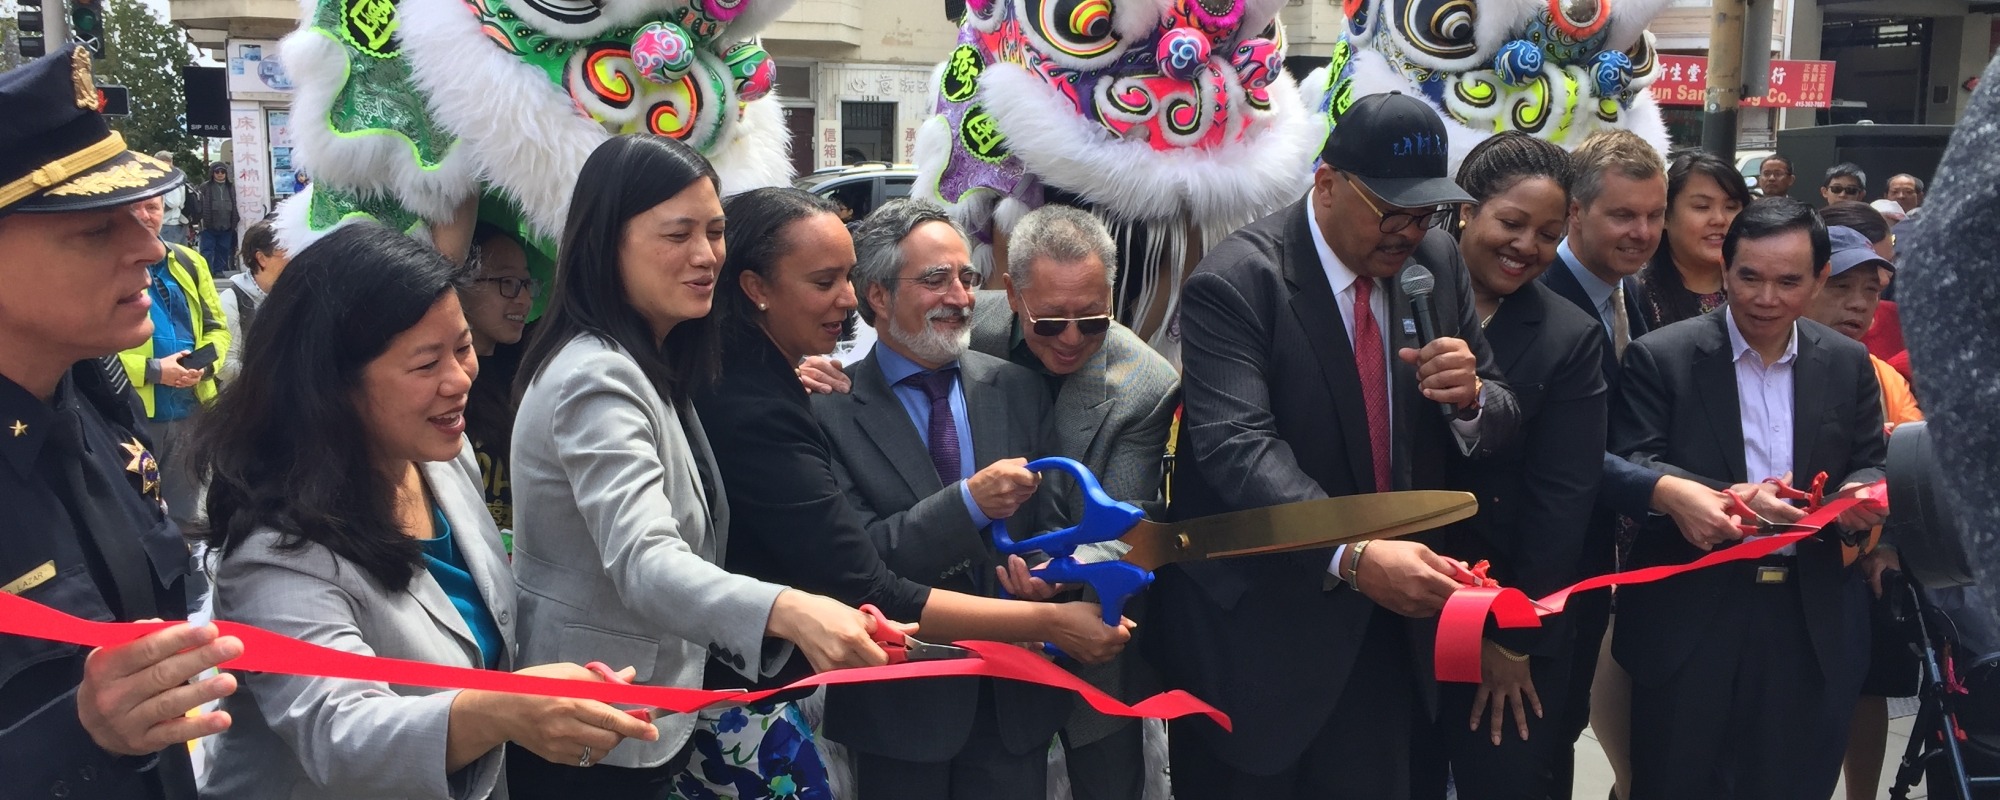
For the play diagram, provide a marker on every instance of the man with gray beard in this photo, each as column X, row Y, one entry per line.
column 929, row 447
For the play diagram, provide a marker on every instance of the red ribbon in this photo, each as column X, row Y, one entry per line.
column 1462, row 624
column 264, row 651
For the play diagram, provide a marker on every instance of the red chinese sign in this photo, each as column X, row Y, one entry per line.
column 1683, row 81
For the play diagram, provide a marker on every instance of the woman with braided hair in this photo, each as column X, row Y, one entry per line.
column 1500, row 738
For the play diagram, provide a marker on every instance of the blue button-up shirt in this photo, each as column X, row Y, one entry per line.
column 918, row 405
column 1594, row 287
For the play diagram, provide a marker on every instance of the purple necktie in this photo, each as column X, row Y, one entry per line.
column 944, row 430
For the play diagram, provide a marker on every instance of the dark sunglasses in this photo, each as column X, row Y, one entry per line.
column 1054, row 326
column 1844, row 191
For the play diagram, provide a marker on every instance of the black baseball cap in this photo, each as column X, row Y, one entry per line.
column 57, row 153
column 1395, row 145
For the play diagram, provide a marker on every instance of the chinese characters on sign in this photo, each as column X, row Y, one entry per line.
column 248, row 145
column 1683, row 81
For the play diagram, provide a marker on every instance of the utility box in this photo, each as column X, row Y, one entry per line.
column 1880, row 151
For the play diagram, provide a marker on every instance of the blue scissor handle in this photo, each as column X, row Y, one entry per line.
column 1104, row 520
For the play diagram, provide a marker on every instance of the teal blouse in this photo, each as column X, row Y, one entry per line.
column 447, row 565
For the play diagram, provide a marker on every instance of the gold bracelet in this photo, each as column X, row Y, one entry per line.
column 1354, row 562
column 1509, row 654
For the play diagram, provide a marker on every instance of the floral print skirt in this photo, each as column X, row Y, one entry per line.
column 753, row 753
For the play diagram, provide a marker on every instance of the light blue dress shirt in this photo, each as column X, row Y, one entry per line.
column 1594, row 287
column 918, row 405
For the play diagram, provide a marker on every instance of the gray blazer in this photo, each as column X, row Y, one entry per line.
column 1113, row 414
column 298, row 738
column 923, row 532
column 620, row 524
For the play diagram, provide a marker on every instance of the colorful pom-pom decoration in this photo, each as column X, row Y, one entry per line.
column 1518, row 62
column 662, row 52
column 1182, row 52
column 752, row 68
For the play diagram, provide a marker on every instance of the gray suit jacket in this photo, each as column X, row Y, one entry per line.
column 298, row 738
column 620, row 524
column 923, row 532
column 1113, row 414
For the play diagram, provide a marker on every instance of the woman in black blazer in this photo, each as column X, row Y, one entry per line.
column 1499, row 737
column 784, row 294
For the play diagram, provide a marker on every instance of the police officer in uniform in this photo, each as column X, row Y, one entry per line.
column 82, row 527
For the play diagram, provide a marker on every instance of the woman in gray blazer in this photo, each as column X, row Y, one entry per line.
column 620, row 518
column 345, row 505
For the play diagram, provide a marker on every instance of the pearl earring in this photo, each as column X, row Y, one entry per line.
column 763, row 307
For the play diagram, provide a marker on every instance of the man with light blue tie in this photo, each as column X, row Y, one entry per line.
column 930, row 447
column 1618, row 207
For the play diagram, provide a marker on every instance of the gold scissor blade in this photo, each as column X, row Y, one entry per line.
column 1303, row 525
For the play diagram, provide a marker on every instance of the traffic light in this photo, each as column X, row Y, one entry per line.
column 30, row 24
column 114, row 101
column 86, row 25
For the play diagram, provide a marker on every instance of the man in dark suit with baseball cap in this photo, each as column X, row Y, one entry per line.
column 85, row 531
column 1303, row 378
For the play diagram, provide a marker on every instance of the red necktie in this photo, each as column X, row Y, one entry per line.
column 1374, row 379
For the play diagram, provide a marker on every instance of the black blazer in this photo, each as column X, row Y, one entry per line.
column 1626, row 487
column 1677, row 412
column 790, row 523
column 1272, row 414
column 1535, row 500
column 921, row 528
column 81, row 562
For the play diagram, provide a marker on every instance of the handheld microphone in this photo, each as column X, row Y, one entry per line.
column 1417, row 282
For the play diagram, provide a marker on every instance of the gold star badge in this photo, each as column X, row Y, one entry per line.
column 144, row 466
column 19, row 428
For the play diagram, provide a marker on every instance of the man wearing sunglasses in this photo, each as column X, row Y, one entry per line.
column 1303, row 378
column 1844, row 181
column 1114, row 401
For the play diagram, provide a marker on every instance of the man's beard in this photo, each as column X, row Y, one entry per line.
column 932, row 345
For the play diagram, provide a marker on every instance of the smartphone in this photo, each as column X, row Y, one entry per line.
column 201, row 359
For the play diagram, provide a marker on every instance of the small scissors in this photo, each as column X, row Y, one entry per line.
column 902, row 647
column 610, row 675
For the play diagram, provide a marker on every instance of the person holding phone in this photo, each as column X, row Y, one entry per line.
column 174, row 371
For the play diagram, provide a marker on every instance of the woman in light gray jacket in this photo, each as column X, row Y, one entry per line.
column 620, row 518
column 345, row 506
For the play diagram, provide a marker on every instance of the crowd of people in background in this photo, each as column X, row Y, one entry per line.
column 380, row 453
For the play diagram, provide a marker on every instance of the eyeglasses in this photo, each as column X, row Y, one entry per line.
column 1843, row 190
column 511, row 288
column 1396, row 221
column 938, row 279
column 1054, row 326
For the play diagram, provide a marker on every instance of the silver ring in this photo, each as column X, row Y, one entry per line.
column 585, row 760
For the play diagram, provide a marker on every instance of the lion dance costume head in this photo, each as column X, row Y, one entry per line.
column 1173, row 120
column 420, row 113
column 1554, row 69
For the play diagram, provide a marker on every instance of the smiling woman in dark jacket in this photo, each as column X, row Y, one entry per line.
column 1502, row 736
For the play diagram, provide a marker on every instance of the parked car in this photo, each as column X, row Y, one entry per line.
column 863, row 187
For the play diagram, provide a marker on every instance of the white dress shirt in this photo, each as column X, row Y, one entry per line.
column 1343, row 281
column 1764, row 399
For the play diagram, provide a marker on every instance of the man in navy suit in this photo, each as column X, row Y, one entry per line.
column 1618, row 208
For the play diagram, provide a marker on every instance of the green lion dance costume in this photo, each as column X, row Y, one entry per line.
column 1175, row 121
column 423, row 113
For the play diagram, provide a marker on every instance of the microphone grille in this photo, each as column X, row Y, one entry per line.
column 1415, row 280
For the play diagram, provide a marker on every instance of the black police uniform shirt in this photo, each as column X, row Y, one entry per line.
column 47, row 555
